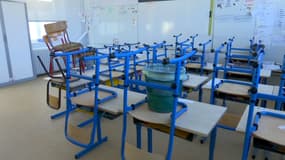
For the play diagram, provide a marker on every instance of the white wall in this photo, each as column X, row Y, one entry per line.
column 73, row 15
column 156, row 12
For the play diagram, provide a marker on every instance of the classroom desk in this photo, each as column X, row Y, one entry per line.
column 114, row 106
column 264, row 73
column 195, row 83
column 238, row 93
column 200, row 119
column 104, row 78
column 270, row 134
column 236, row 90
column 276, row 90
column 122, row 68
column 242, row 123
column 194, row 66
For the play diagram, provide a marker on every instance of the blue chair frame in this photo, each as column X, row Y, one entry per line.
column 96, row 120
column 175, row 114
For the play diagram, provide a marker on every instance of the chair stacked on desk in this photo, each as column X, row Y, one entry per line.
column 169, row 121
column 84, row 137
column 281, row 88
column 233, row 89
column 175, row 114
column 59, row 82
column 243, row 55
column 264, row 131
column 266, row 128
column 197, row 62
column 57, row 39
column 102, row 99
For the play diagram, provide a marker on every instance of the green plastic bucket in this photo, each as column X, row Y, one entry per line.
column 161, row 100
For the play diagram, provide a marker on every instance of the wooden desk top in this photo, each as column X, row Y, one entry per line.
column 115, row 74
column 264, row 73
column 236, row 89
column 271, row 129
column 193, row 65
column 114, row 106
column 208, row 66
column 242, row 123
column 199, row 119
column 195, row 81
column 122, row 68
column 275, row 90
column 103, row 68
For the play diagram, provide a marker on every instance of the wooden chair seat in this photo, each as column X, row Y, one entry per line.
column 234, row 89
column 72, row 46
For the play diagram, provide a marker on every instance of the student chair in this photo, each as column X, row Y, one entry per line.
column 57, row 39
column 57, row 81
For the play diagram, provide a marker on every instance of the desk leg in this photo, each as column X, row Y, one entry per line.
column 139, row 136
column 263, row 103
column 149, row 139
column 263, row 80
column 99, row 130
column 200, row 94
column 212, row 143
column 224, row 102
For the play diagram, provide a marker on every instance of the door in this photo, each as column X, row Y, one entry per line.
column 4, row 72
column 16, row 26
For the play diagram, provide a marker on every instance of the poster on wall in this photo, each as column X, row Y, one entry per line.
column 233, row 10
column 270, row 21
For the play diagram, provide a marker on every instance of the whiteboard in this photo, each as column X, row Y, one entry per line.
column 113, row 24
column 18, row 39
column 263, row 19
column 159, row 21
column 4, row 73
column 130, row 21
column 233, row 18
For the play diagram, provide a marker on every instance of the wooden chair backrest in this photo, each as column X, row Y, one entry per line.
column 57, row 33
column 47, row 42
column 56, row 27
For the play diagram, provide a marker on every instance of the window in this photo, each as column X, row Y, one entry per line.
column 37, row 31
column 41, row 12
